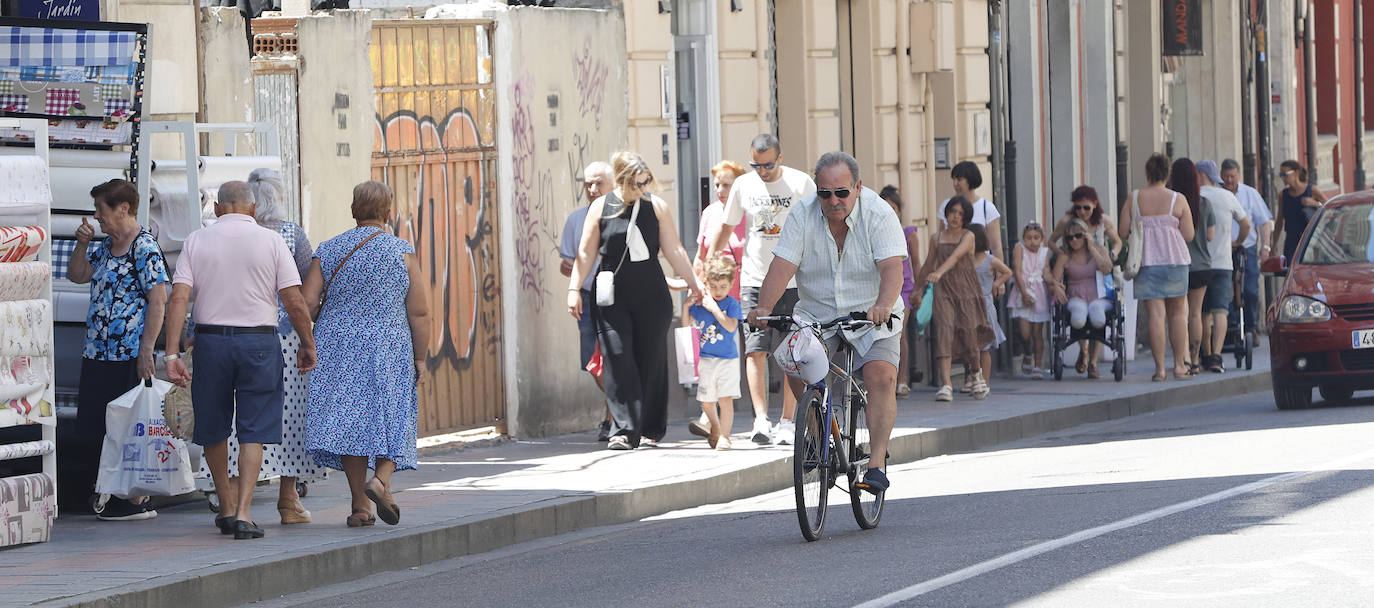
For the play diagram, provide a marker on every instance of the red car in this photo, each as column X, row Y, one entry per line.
column 1321, row 323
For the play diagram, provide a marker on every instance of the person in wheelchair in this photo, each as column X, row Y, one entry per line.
column 1079, row 284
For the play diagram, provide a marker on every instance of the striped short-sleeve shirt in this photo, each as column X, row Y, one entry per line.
column 830, row 284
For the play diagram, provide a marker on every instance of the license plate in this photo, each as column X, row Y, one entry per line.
column 1362, row 338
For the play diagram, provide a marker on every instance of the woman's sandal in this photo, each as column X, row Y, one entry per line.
column 293, row 512
column 903, row 390
column 619, row 442
column 1092, row 372
column 380, row 495
column 1160, row 377
column 360, row 518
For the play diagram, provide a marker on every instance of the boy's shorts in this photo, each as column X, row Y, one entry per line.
column 717, row 379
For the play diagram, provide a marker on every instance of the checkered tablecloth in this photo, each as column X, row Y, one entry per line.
column 14, row 103
column 116, row 104
column 34, row 46
column 59, row 101
column 62, row 256
column 100, row 74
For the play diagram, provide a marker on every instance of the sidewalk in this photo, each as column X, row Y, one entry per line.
column 479, row 499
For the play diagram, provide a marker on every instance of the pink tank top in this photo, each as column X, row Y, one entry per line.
column 1163, row 243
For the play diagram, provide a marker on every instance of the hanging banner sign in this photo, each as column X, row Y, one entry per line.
column 1182, row 21
column 75, row 10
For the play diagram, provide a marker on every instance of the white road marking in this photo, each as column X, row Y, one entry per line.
column 958, row 576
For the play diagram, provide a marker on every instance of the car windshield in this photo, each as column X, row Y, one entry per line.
column 1342, row 236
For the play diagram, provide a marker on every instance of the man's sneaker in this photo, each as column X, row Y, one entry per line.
column 783, row 432
column 874, row 482
column 701, row 427
column 118, row 509
column 761, row 431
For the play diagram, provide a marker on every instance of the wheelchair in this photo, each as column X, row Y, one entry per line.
column 1240, row 339
column 1112, row 334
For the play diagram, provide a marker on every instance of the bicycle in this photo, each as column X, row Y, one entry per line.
column 820, row 456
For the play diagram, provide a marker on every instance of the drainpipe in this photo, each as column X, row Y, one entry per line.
column 996, row 105
column 903, row 97
column 764, row 47
column 1265, row 173
column 1247, row 95
column 1359, row 95
column 1309, row 90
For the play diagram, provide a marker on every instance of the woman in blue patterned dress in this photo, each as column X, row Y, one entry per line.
column 371, row 334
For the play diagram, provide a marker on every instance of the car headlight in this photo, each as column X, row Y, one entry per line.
column 1302, row 309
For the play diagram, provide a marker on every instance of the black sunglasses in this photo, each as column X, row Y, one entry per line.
column 1075, row 236
column 645, row 183
column 765, row 166
column 1083, row 207
column 826, row 194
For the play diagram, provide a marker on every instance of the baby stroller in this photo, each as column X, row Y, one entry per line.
column 1240, row 337
column 1112, row 334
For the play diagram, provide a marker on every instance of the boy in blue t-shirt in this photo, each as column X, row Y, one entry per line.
column 718, row 318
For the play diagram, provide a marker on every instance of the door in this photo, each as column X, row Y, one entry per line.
column 698, row 111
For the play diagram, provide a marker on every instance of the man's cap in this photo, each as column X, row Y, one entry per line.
column 1209, row 168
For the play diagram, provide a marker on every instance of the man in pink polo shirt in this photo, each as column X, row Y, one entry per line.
column 234, row 271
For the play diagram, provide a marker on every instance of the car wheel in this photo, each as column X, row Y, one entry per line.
column 1336, row 393
column 1292, row 398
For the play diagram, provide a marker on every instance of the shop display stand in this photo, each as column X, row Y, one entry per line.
column 42, row 218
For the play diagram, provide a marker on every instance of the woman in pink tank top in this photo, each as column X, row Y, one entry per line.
column 1166, row 227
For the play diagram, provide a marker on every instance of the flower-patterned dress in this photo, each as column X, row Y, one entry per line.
column 363, row 399
column 289, row 458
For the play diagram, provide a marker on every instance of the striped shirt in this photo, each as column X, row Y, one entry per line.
column 830, row 285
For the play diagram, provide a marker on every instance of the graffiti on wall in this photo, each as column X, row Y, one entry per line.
column 590, row 72
column 529, row 205
column 444, row 214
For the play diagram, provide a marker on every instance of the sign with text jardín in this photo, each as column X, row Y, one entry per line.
column 1182, row 33
column 76, row 10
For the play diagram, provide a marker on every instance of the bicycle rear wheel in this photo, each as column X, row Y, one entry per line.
column 810, row 471
column 868, row 508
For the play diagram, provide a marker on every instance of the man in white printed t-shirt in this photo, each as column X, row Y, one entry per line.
column 1220, row 289
column 764, row 198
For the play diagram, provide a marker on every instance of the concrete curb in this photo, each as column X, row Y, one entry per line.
column 239, row 583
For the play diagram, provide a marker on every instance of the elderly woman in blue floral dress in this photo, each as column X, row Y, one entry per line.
column 371, row 335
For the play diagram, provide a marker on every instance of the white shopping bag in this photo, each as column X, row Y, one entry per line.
column 687, row 345
column 141, row 457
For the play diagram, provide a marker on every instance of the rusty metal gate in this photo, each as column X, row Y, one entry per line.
column 436, row 147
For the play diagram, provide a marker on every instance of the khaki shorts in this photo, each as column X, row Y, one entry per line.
column 887, row 349
column 717, row 379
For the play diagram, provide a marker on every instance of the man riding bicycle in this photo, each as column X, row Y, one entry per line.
column 845, row 248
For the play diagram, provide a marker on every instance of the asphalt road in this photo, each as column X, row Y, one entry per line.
column 1228, row 503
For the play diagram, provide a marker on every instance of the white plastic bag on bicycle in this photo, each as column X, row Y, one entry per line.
column 140, row 456
column 802, row 355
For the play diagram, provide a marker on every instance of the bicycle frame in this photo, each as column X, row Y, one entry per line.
column 833, row 414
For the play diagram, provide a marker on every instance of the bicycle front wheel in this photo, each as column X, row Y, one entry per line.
column 810, row 469
column 868, row 508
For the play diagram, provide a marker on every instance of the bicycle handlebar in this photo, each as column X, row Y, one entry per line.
column 853, row 320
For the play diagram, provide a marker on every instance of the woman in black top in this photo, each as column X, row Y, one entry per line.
column 1300, row 202
column 633, row 331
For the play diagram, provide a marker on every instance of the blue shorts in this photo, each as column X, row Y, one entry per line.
column 239, row 374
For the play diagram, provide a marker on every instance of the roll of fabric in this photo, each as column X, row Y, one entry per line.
column 21, row 243
column 23, row 280
column 27, row 449
column 31, row 504
column 26, row 183
column 71, row 306
column 26, row 328
column 64, row 225
column 71, row 187
column 24, row 370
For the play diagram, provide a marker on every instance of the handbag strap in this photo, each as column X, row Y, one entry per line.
column 325, row 292
column 634, row 215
